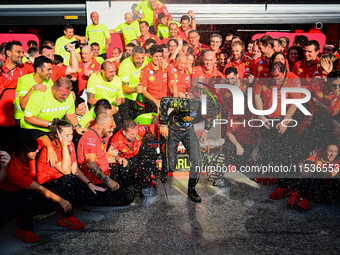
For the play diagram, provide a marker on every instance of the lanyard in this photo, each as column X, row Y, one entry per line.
column 102, row 140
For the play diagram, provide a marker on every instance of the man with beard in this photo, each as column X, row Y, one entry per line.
column 13, row 68
column 43, row 107
column 240, row 61
column 129, row 72
column 95, row 165
column 106, row 85
column 266, row 45
column 39, row 80
column 128, row 143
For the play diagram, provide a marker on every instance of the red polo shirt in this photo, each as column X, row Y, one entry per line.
column 307, row 71
column 6, row 102
column 90, row 143
column 182, row 79
column 19, row 176
column 13, row 74
column 82, row 78
column 245, row 66
column 166, row 40
column 129, row 149
column 142, row 40
column 227, row 98
column 156, row 12
column 200, row 72
column 261, row 88
column 198, row 49
column 259, row 65
column 156, row 81
column 45, row 172
column 57, row 72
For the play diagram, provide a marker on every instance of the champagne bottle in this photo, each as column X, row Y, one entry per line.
column 140, row 104
column 76, row 45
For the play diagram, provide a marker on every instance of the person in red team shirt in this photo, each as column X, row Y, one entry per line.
column 208, row 69
column 157, row 9
column 128, row 143
column 154, row 79
column 240, row 61
column 20, row 186
column 266, row 45
column 179, row 77
column 277, row 141
column 194, row 39
column 13, row 68
column 327, row 98
column 145, row 34
column 62, row 71
column 318, row 186
column 87, row 67
column 93, row 161
column 309, row 68
column 215, row 44
column 173, row 31
column 186, row 27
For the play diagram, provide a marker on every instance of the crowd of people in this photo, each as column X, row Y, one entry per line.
column 81, row 133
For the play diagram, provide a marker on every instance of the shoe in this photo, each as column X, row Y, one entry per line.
column 305, row 204
column 149, row 192
column 26, row 236
column 192, row 194
column 280, row 193
column 222, row 182
column 293, row 199
column 164, row 177
column 270, row 181
column 71, row 222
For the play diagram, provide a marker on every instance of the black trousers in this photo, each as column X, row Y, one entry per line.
column 122, row 196
column 234, row 159
column 139, row 171
column 190, row 141
column 276, row 149
column 25, row 204
column 66, row 187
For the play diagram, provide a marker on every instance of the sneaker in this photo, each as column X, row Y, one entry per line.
column 26, row 236
column 305, row 204
column 153, row 184
column 222, row 182
column 293, row 199
column 192, row 194
column 149, row 192
column 71, row 222
column 280, row 193
column 270, row 181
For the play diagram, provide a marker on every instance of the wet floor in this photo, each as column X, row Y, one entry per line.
column 240, row 219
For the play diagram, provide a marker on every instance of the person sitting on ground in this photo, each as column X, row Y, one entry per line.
column 20, row 186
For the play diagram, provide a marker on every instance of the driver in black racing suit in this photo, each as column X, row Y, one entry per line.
column 179, row 126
